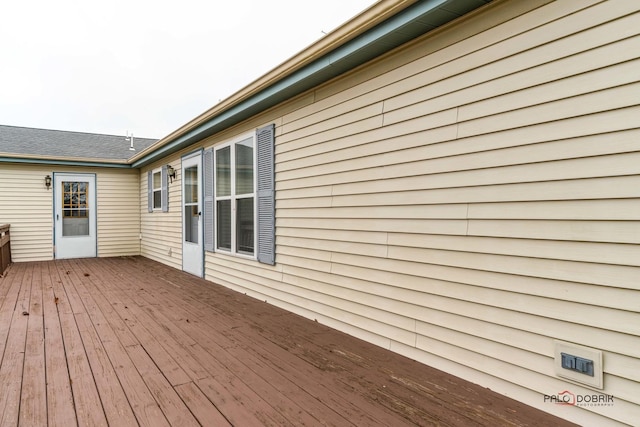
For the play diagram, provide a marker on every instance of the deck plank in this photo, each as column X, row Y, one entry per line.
column 194, row 359
column 129, row 341
column 114, row 336
column 114, row 400
column 13, row 358
column 205, row 412
column 174, row 409
column 89, row 410
column 326, row 406
column 33, row 409
column 60, row 407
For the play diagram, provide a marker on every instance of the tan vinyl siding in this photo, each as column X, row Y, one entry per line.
column 491, row 208
column 467, row 201
column 27, row 205
column 118, row 212
column 162, row 231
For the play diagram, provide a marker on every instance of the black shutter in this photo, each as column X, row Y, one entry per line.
column 266, row 194
column 208, row 202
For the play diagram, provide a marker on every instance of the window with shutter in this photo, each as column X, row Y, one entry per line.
column 158, row 189
column 234, row 196
column 239, row 196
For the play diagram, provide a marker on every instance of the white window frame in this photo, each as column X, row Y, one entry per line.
column 232, row 197
column 154, row 189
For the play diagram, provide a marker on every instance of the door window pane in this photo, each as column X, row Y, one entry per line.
column 223, row 172
column 244, row 225
column 190, row 177
column 244, row 166
column 223, row 228
column 75, row 208
column 191, row 221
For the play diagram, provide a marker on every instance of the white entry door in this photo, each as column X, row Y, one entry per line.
column 192, row 246
column 75, row 215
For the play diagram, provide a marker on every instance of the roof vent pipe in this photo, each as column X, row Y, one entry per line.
column 130, row 139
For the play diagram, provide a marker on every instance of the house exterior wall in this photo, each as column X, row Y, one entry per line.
column 466, row 201
column 27, row 205
column 162, row 231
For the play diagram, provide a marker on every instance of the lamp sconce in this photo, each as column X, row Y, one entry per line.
column 171, row 172
column 47, row 181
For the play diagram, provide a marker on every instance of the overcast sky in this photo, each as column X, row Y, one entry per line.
column 145, row 66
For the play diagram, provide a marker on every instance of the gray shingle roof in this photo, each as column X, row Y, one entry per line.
column 47, row 143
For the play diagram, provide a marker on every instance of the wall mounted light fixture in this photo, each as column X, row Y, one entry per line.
column 171, row 172
column 47, row 181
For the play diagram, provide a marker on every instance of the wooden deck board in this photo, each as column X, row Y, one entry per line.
column 128, row 341
column 60, row 409
column 205, row 412
column 13, row 356
column 33, row 409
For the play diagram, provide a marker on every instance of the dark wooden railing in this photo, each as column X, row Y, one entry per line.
column 5, row 248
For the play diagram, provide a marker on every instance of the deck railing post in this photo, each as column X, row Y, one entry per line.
column 5, row 248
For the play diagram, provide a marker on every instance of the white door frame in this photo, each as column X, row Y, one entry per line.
column 78, row 218
column 191, row 208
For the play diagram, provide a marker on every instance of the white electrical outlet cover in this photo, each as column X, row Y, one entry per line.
column 579, row 351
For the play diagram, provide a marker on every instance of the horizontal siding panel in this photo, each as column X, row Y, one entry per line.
column 429, row 143
column 218, row 260
column 359, row 127
column 613, row 76
column 604, row 253
column 588, row 104
column 544, row 44
column 622, row 366
column 542, row 83
column 333, row 246
column 605, row 318
column 579, row 189
column 592, row 167
column 444, row 211
column 314, row 192
column 605, row 209
column 330, row 156
column 436, row 119
column 313, row 202
column 597, row 274
column 289, row 258
column 321, row 123
column 435, row 53
column 625, row 390
column 542, row 325
column 373, row 237
column 322, row 257
column 432, row 279
column 369, row 306
column 434, row 159
column 581, row 231
column 443, row 226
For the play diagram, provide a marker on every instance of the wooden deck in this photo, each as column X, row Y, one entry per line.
column 128, row 341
